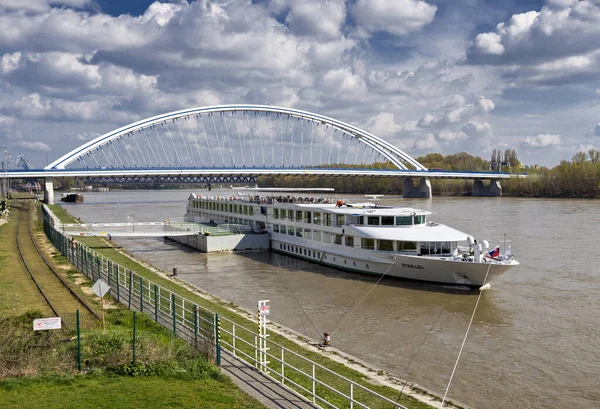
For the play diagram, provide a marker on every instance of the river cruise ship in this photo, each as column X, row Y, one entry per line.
column 364, row 237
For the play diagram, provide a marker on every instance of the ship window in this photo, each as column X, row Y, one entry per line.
column 305, row 252
column 327, row 219
column 316, row 235
column 235, row 208
column 298, row 232
column 385, row 245
column 276, row 213
column 275, row 228
column 350, row 241
column 251, row 211
column 230, row 208
column 339, row 219
column 308, row 217
column 345, row 261
column 318, row 255
column 308, row 234
column 404, row 220
column 326, row 237
column 245, row 210
column 373, row 220
column 291, row 230
column 354, row 263
column 298, row 215
column 387, row 220
column 368, row 244
column 406, row 245
column 283, row 214
column 361, row 220
column 338, row 239
column 283, row 228
column 317, row 218
column 419, row 219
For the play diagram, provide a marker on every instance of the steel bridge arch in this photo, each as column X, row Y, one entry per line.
column 393, row 154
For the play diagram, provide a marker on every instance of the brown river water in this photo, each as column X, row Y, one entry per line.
column 535, row 339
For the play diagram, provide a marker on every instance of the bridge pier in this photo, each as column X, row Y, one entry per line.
column 409, row 191
column 48, row 191
column 494, row 189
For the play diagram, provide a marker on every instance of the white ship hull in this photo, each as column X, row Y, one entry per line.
column 362, row 237
column 432, row 269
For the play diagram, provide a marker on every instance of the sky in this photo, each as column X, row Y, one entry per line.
column 425, row 75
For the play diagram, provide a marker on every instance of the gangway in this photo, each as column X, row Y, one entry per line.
column 143, row 229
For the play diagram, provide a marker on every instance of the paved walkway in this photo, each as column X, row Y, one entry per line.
column 270, row 393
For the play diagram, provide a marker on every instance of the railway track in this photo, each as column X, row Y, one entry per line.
column 56, row 291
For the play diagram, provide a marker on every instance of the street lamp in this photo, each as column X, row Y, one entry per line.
column 6, row 160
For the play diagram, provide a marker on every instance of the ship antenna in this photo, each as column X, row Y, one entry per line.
column 481, row 290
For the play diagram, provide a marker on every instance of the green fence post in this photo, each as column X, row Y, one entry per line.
column 155, row 303
column 78, row 341
column 217, row 339
column 141, row 295
column 130, row 288
column 118, row 283
column 195, row 326
column 174, row 313
column 134, row 337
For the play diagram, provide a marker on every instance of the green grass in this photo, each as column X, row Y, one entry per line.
column 122, row 392
column 39, row 369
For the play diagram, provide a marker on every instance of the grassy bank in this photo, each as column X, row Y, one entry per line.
column 39, row 369
column 363, row 376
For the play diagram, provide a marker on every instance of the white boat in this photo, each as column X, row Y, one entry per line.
column 367, row 238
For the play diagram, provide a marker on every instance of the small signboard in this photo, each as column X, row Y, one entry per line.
column 264, row 308
column 42, row 324
column 100, row 288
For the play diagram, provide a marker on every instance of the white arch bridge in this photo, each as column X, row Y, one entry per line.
column 238, row 143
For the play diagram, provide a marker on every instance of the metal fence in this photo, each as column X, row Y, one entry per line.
column 210, row 333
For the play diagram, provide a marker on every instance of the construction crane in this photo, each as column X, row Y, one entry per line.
column 23, row 162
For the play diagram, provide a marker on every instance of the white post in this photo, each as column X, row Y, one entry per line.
column 351, row 395
column 313, row 384
column 282, row 367
column 233, row 339
column 263, row 310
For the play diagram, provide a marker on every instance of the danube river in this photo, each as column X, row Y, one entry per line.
column 535, row 339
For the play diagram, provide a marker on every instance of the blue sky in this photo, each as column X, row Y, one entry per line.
column 426, row 75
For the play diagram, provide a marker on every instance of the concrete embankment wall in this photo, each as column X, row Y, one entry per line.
column 232, row 242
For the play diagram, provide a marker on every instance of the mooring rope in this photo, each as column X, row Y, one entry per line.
column 366, row 295
column 296, row 298
column 466, row 334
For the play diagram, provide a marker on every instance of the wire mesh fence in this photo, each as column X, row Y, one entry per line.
column 182, row 317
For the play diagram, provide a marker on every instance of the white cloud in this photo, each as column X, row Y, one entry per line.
column 33, row 106
column 559, row 44
column 382, row 125
column 449, row 135
column 398, row 17
column 316, row 18
column 489, row 43
column 34, row 146
column 485, row 104
column 541, row 140
column 426, row 143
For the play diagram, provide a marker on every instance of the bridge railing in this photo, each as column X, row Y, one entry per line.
column 209, row 333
